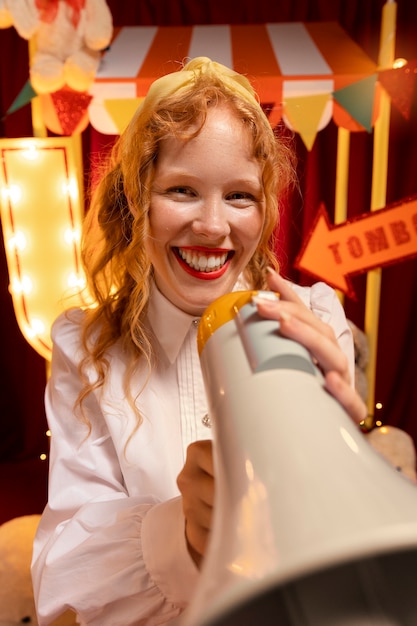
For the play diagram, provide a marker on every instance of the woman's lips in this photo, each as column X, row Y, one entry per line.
column 202, row 263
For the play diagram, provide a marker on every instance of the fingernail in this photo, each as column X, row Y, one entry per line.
column 271, row 270
column 266, row 297
column 262, row 296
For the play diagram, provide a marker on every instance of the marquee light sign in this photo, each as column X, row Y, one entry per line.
column 41, row 213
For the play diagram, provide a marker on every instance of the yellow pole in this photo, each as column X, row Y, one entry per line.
column 378, row 195
column 342, row 179
column 39, row 130
column 38, row 126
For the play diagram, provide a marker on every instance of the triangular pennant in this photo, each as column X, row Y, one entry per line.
column 399, row 85
column 121, row 110
column 52, row 121
column 304, row 114
column 70, row 106
column 49, row 114
column 358, row 100
column 26, row 94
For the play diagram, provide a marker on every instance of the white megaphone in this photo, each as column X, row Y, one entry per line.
column 312, row 526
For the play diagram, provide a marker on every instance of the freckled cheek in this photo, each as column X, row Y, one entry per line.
column 249, row 235
column 162, row 222
column 160, row 233
column 254, row 228
column 256, row 234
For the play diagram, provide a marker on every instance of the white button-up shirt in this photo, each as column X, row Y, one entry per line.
column 111, row 542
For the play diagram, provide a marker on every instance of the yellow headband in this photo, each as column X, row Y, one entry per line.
column 188, row 76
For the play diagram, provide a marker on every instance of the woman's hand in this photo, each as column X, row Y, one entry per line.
column 196, row 480
column 299, row 323
column 196, row 484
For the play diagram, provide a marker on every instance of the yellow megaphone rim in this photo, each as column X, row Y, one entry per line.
column 219, row 312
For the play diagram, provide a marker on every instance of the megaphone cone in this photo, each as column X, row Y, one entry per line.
column 312, row 527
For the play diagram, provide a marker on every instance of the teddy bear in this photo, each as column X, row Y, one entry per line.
column 397, row 446
column 16, row 596
column 68, row 36
column 393, row 443
column 361, row 352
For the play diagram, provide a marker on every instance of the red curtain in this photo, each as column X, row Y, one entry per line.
column 22, row 419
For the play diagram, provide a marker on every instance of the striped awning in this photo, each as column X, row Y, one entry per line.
column 296, row 69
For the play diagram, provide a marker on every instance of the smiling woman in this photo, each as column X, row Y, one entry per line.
column 184, row 215
column 205, row 218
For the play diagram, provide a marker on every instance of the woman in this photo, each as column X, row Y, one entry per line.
column 184, row 214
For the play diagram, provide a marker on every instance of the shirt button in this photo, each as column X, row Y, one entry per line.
column 206, row 421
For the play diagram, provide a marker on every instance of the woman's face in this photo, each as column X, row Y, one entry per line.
column 206, row 212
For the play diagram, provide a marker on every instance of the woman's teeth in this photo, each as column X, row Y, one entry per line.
column 202, row 262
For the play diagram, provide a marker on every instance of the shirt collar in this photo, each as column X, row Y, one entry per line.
column 163, row 316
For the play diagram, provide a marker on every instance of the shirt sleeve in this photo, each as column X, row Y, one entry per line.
column 110, row 557
column 324, row 303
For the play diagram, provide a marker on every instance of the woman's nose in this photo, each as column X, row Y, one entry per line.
column 212, row 220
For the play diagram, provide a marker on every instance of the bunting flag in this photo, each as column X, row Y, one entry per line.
column 121, row 111
column 284, row 61
column 358, row 99
column 399, row 84
column 65, row 112
column 25, row 95
column 304, row 73
column 304, row 115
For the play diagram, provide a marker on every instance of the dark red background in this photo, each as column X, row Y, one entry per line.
column 23, row 477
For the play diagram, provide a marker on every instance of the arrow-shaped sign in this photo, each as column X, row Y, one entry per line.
column 375, row 239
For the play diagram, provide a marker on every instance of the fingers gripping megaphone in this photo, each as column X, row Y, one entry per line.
column 312, row 527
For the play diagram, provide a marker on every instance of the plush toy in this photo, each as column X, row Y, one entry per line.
column 16, row 596
column 361, row 348
column 394, row 444
column 397, row 447
column 68, row 37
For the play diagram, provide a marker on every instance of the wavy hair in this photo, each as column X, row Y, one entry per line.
column 118, row 270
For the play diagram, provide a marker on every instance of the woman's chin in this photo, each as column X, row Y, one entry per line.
column 195, row 301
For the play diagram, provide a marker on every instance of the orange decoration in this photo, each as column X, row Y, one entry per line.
column 375, row 239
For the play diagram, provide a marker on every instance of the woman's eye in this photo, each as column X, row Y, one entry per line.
column 180, row 191
column 241, row 197
column 238, row 194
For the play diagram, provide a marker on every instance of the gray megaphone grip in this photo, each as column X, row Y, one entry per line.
column 266, row 348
